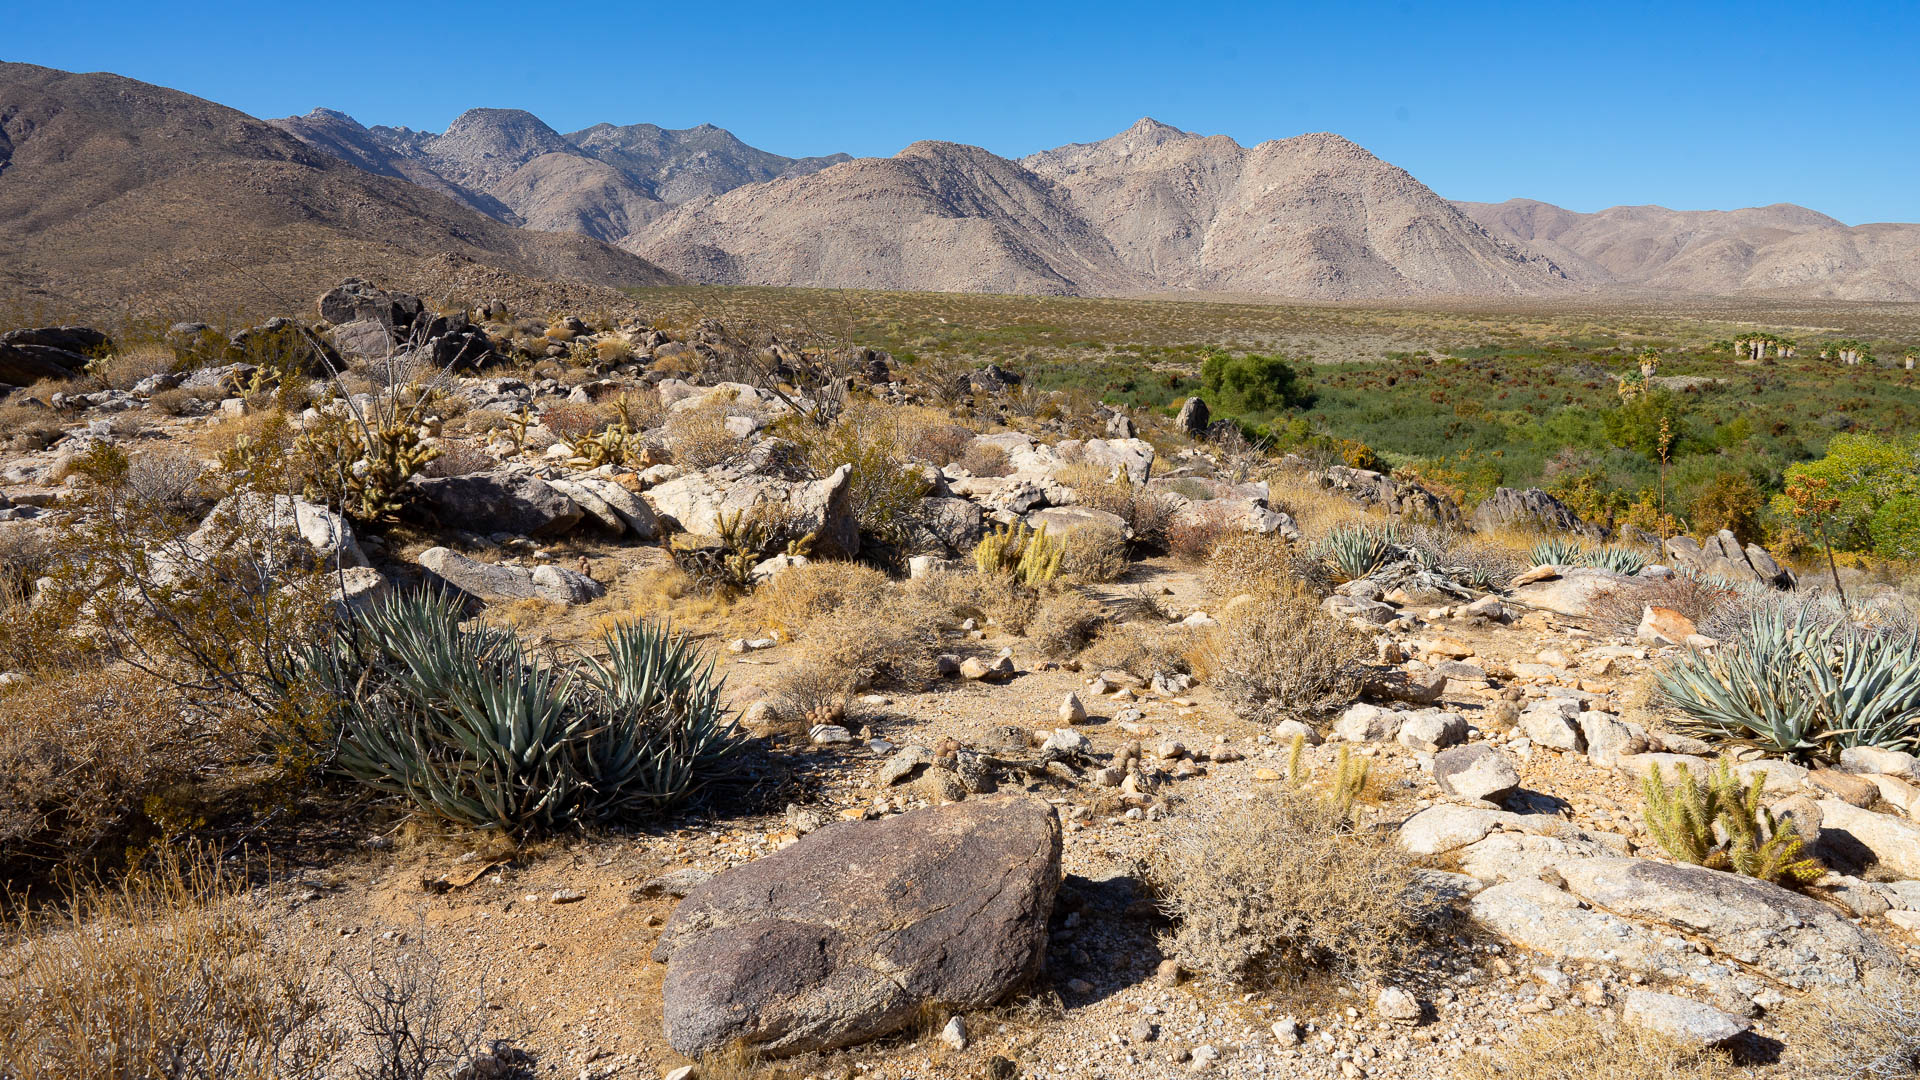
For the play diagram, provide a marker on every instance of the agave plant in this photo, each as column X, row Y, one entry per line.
column 1356, row 550
column 1801, row 686
column 1556, row 551
column 466, row 725
column 1618, row 558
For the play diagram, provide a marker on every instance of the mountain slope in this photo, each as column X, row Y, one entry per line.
column 1780, row 249
column 604, row 181
column 1311, row 216
column 935, row 216
column 120, row 195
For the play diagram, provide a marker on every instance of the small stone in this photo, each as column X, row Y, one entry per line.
column 825, row 734
column 1395, row 1004
column 684, row 1072
column 1287, row 1032
column 954, row 1035
column 1168, row 973
column 568, row 896
column 1143, row 1031
column 1071, row 710
column 1080, row 986
column 1681, row 1018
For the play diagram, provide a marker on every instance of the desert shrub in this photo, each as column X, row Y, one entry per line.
column 1280, row 655
column 1143, row 651
column 1244, row 562
column 1730, row 501
column 1579, row 1045
column 1251, row 384
column 995, row 597
column 169, row 479
column 885, row 489
column 809, row 693
column 1093, row 553
column 612, row 350
column 892, row 645
column 1485, row 564
column 1147, row 513
column 944, row 444
column 468, row 726
column 1866, row 1032
column 176, row 402
column 572, row 421
column 1724, row 826
column 411, row 1018
column 1067, row 623
column 801, row 595
column 985, row 459
column 1262, row 888
column 699, row 439
column 29, row 425
column 459, row 459
column 1875, row 482
column 122, row 370
column 171, row 976
column 1704, row 603
column 1795, row 684
column 1192, row 538
column 88, row 762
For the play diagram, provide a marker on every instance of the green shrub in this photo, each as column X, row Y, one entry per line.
column 1253, row 384
column 469, row 727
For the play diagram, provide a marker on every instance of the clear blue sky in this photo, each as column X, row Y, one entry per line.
column 1586, row 105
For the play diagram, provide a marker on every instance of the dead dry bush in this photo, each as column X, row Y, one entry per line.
column 1866, row 1032
column 942, row 444
column 1244, row 562
column 995, row 598
column 807, row 694
column 572, row 421
column 985, row 459
column 891, row 645
column 699, row 439
column 802, row 595
column 458, row 459
column 1148, row 514
column 1263, row 889
column 1141, row 650
column 123, row 370
column 1702, row 602
column 1579, row 1046
column 406, row 1017
column 29, row 425
column 1093, row 553
column 1191, row 539
column 176, row 402
column 1067, row 622
column 169, row 976
column 1281, row 656
column 90, row 764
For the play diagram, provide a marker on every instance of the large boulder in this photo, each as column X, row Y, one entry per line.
column 851, row 932
column 1863, row 836
column 695, row 503
column 1566, row 590
column 948, row 526
column 1133, row 457
column 1722, row 556
column 30, row 354
column 1194, row 417
column 1476, row 771
column 500, row 501
column 615, row 508
column 354, row 299
column 500, row 583
column 1533, row 510
column 285, row 519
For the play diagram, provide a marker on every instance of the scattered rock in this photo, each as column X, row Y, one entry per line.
column 1476, row 771
column 1681, row 1018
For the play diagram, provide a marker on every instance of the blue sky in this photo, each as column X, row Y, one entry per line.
column 1687, row 105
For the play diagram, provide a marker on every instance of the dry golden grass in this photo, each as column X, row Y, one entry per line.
column 1868, row 1032
column 1259, row 888
column 1315, row 510
column 168, row 976
column 698, row 436
column 1243, row 562
column 799, row 597
column 127, row 367
column 1579, row 1046
column 1142, row 650
column 1093, row 553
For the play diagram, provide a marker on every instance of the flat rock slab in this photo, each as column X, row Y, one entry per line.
column 845, row 935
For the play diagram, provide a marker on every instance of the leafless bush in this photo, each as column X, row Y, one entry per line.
column 1261, row 888
column 168, row 480
column 969, row 595
column 572, row 421
column 1144, row 651
column 890, row 645
column 123, row 370
column 699, row 437
column 1280, row 655
column 411, row 1020
column 1066, row 624
column 944, row 444
column 810, row 694
column 176, row 402
column 1867, row 1032
column 1094, row 553
column 459, row 459
column 985, row 459
column 1244, row 562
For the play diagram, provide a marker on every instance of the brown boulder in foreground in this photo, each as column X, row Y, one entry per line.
column 848, row 933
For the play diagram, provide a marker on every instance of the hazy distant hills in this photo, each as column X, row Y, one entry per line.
column 121, row 195
column 1781, row 249
column 113, row 190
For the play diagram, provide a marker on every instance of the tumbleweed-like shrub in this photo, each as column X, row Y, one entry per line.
column 467, row 725
column 1264, row 889
column 1280, row 655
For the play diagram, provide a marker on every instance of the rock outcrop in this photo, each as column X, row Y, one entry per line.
column 846, row 935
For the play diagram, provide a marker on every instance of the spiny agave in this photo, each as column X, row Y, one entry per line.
column 1355, row 550
column 466, row 725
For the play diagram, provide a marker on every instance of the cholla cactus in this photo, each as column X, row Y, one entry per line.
column 1026, row 554
column 1682, row 818
column 370, row 465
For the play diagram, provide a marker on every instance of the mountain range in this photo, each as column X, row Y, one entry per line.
column 118, row 192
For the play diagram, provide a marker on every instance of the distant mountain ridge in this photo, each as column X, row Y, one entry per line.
column 120, row 195
column 605, row 181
